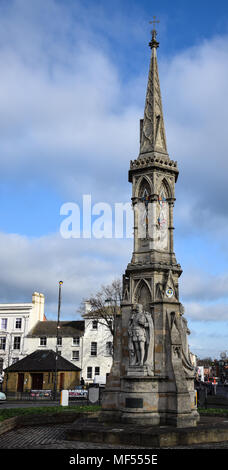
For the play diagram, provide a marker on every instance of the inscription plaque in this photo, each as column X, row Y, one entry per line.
column 134, row 403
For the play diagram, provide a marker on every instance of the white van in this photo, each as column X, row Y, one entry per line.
column 100, row 380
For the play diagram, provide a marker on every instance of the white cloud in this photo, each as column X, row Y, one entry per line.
column 68, row 118
column 205, row 312
column 204, row 286
column 67, row 115
column 38, row 264
column 196, row 105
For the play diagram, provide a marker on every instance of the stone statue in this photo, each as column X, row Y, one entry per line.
column 179, row 334
column 140, row 337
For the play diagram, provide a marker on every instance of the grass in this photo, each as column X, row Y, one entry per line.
column 214, row 411
column 11, row 412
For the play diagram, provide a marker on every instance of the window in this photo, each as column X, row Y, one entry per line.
column 4, row 324
column 97, row 370
column 109, row 348
column 89, row 372
column 94, row 324
column 59, row 341
column 75, row 355
column 3, row 343
column 1, row 365
column 17, row 342
column 93, row 349
column 18, row 323
column 76, row 341
column 43, row 341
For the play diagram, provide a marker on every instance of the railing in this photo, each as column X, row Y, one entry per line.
column 32, row 395
column 47, row 395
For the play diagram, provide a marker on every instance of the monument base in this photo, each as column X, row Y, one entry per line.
column 209, row 429
column 142, row 371
column 148, row 400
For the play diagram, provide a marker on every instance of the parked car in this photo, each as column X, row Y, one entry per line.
column 78, row 392
column 2, row 396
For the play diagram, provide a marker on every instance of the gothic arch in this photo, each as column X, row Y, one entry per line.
column 165, row 186
column 142, row 293
column 144, row 183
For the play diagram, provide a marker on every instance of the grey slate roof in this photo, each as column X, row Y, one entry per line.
column 67, row 328
column 41, row 361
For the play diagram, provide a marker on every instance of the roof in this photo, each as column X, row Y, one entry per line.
column 49, row 328
column 41, row 361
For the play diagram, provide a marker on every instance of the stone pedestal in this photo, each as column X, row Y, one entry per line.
column 158, row 393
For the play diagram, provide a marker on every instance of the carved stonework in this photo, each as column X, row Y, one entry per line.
column 179, row 339
column 126, row 288
column 152, row 381
column 153, row 130
column 140, row 337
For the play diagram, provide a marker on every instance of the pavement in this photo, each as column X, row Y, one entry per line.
column 30, row 403
column 55, row 437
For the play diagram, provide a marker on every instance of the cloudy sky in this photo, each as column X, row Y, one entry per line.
column 72, row 90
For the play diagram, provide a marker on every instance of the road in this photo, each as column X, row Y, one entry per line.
column 31, row 403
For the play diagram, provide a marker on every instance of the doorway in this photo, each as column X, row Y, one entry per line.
column 20, row 382
column 61, row 385
column 37, row 381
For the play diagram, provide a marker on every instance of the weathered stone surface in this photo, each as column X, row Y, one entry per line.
column 152, row 365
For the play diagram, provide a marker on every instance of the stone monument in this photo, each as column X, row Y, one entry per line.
column 152, row 377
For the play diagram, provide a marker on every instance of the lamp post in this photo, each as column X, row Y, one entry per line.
column 57, row 336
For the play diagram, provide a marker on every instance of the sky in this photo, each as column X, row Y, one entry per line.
column 72, row 91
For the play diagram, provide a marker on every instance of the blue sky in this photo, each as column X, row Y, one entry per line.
column 72, row 90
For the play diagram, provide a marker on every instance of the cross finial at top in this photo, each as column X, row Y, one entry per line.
column 154, row 21
column 154, row 43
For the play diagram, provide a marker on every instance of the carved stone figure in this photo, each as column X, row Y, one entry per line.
column 140, row 337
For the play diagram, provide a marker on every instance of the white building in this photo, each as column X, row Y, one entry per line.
column 16, row 320
column 24, row 329
column 85, row 343
column 97, row 349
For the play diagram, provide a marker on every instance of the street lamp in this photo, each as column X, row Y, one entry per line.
column 57, row 337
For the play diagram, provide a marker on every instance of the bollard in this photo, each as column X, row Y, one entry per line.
column 64, row 401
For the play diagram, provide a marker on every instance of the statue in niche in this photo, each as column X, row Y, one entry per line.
column 185, row 333
column 140, row 337
column 126, row 287
column 179, row 326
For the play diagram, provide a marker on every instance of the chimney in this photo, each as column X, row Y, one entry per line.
column 87, row 306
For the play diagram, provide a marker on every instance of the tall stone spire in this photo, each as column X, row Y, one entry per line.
column 152, row 378
column 153, row 139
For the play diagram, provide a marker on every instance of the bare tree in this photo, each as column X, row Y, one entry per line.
column 104, row 305
column 207, row 361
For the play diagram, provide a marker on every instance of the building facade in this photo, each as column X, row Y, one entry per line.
column 97, row 349
column 85, row 343
column 40, row 371
column 24, row 329
column 16, row 319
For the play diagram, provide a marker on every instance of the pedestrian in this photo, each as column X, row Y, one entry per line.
column 82, row 382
